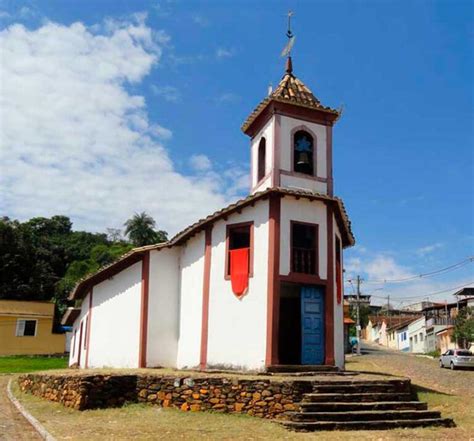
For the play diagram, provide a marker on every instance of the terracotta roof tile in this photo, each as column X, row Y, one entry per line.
column 134, row 255
column 290, row 90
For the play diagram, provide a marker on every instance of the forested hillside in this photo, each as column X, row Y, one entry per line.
column 43, row 258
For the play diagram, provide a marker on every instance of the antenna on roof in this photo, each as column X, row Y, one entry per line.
column 286, row 52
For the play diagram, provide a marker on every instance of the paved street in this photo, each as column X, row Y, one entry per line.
column 422, row 370
column 13, row 426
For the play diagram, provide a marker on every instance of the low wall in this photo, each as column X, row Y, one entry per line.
column 261, row 398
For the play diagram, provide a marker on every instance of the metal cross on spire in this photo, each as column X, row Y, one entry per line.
column 291, row 38
column 291, row 41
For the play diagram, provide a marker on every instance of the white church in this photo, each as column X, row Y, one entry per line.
column 252, row 286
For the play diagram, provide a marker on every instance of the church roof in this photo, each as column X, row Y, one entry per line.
column 290, row 90
column 135, row 255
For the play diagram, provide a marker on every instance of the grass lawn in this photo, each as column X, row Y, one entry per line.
column 17, row 364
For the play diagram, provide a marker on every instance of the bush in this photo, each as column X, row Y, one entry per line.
column 434, row 354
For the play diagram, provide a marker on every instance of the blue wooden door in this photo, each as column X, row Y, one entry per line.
column 312, row 325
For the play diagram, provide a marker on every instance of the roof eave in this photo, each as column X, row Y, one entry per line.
column 331, row 114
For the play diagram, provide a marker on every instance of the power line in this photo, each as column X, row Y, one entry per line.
column 429, row 274
column 428, row 294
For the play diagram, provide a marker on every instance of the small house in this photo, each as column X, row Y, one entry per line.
column 26, row 328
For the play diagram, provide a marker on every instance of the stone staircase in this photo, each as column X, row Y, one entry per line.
column 362, row 405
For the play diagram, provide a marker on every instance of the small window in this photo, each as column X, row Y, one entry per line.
column 25, row 328
column 261, row 159
column 238, row 237
column 304, row 248
column 303, row 153
column 421, row 336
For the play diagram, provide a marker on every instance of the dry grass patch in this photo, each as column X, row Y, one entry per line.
column 143, row 422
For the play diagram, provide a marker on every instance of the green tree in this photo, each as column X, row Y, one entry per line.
column 140, row 230
column 464, row 327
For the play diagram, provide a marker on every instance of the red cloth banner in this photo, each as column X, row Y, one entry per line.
column 239, row 270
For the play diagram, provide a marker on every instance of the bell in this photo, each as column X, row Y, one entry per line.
column 303, row 159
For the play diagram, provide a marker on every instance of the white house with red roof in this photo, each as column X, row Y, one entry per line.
column 255, row 285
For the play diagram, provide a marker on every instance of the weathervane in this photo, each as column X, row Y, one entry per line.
column 291, row 38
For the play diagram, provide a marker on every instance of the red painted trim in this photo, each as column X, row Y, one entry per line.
column 273, row 283
column 88, row 328
column 339, row 280
column 228, row 229
column 80, row 345
column 205, row 297
column 142, row 347
column 277, row 150
column 316, row 249
column 304, row 128
column 329, row 160
column 291, row 110
column 303, row 176
column 329, row 316
column 305, row 279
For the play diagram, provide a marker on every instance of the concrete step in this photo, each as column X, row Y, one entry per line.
column 364, row 415
column 349, row 381
column 377, row 387
column 359, row 406
column 283, row 368
column 347, row 397
column 366, row 425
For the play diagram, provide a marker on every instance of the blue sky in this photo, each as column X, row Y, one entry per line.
column 403, row 150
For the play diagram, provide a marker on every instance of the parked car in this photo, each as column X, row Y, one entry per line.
column 457, row 358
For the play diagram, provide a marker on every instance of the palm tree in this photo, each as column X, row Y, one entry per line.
column 140, row 229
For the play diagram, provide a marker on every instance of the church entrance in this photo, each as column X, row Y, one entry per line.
column 301, row 333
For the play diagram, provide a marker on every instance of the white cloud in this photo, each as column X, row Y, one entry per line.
column 200, row 162
column 75, row 140
column 222, row 52
column 423, row 251
column 227, row 97
column 168, row 93
column 200, row 20
column 378, row 267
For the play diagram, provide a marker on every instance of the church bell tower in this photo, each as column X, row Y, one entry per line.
column 291, row 138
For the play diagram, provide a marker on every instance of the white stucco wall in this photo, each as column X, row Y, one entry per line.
column 304, row 211
column 74, row 355
column 237, row 326
column 338, row 309
column 163, row 308
column 267, row 133
column 287, row 125
column 403, row 345
column 305, row 183
column 190, row 301
column 417, row 328
column 115, row 324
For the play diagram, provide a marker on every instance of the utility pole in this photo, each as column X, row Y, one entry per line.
column 358, row 315
column 388, row 311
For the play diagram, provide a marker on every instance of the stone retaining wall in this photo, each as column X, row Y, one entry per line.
column 261, row 398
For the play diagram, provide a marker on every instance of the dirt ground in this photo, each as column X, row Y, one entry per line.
column 451, row 392
column 13, row 426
